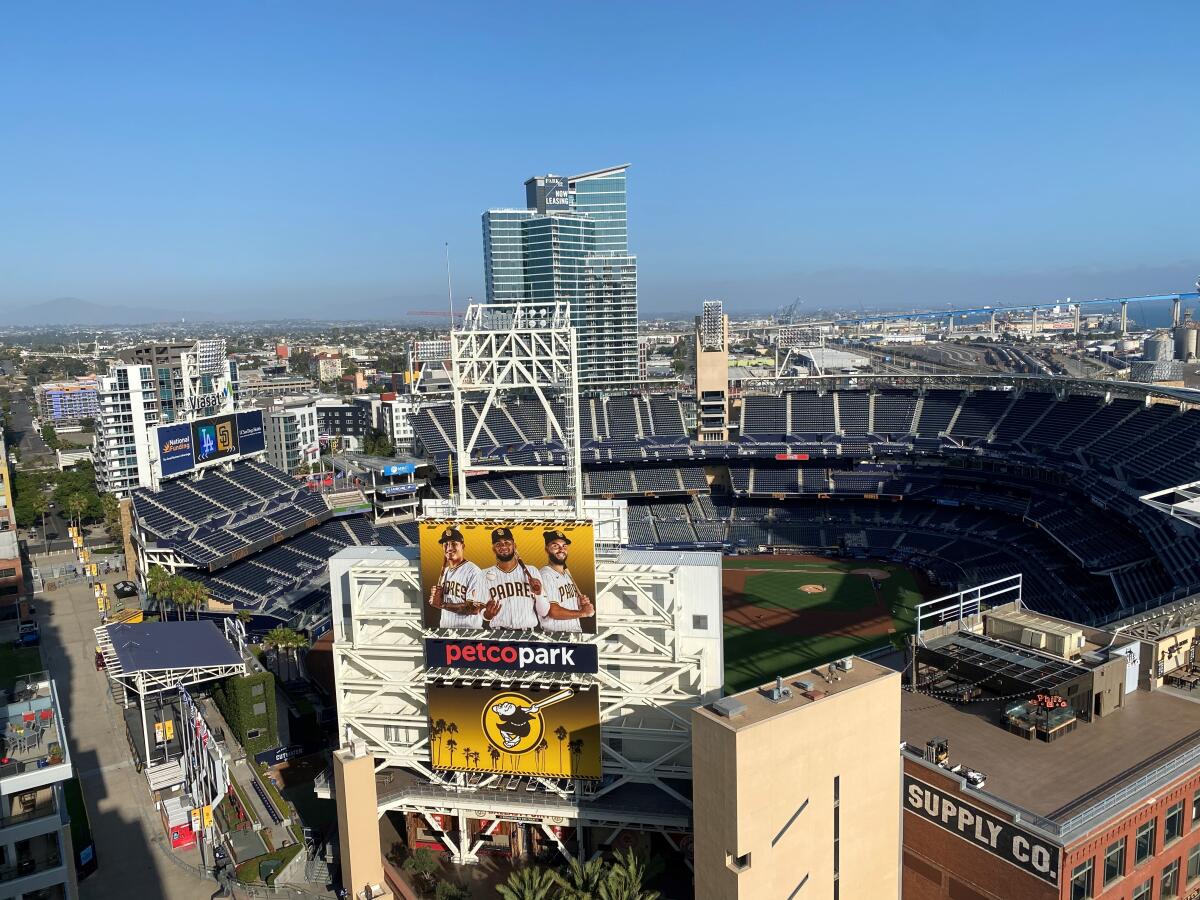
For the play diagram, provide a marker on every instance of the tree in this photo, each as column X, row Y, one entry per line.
column 179, row 593
column 158, row 586
column 76, row 505
column 561, row 734
column 582, row 881
column 285, row 642
column 39, row 504
column 423, row 865
column 627, row 877
column 528, row 883
column 447, row 890
column 111, row 507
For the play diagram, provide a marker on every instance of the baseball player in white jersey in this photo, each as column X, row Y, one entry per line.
column 458, row 592
column 511, row 589
column 564, row 604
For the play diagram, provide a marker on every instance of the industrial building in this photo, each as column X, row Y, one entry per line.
column 68, row 402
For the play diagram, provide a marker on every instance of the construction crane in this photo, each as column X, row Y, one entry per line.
column 787, row 314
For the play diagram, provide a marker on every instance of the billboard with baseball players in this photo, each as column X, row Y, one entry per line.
column 551, row 732
column 509, row 576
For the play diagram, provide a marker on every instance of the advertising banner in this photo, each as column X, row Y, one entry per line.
column 399, row 469
column 214, row 438
column 510, row 656
column 996, row 835
column 174, row 449
column 551, row 732
column 250, row 436
column 537, row 575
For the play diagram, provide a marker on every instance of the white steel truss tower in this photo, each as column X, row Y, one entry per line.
column 517, row 346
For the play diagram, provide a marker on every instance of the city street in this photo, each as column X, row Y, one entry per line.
column 130, row 845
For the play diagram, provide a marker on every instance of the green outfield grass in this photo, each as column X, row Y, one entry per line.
column 773, row 627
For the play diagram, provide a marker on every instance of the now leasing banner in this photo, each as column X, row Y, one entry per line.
column 1023, row 849
column 510, row 656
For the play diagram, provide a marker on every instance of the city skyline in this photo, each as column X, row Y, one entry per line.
column 901, row 155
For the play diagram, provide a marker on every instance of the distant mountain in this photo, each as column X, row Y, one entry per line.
column 72, row 311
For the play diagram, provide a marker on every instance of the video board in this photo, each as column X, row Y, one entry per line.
column 214, row 439
column 174, row 449
column 547, row 731
column 501, row 575
column 184, row 445
column 250, row 435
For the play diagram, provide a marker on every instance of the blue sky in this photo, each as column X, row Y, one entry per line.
column 313, row 158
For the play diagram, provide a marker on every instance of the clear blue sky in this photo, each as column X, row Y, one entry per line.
column 314, row 157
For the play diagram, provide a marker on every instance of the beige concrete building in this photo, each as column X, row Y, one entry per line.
column 712, row 373
column 797, row 788
column 358, row 823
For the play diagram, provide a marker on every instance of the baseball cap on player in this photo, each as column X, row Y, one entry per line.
column 451, row 534
column 501, row 534
column 556, row 535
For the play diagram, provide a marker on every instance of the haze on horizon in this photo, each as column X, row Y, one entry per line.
column 260, row 161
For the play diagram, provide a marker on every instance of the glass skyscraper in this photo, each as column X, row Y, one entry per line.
column 571, row 243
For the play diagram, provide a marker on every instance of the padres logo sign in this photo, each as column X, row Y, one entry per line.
column 513, row 723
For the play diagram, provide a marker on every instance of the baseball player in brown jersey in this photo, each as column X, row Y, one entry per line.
column 458, row 593
column 510, row 587
column 564, row 604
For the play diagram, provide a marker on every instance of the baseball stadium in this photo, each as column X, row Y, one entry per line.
column 808, row 532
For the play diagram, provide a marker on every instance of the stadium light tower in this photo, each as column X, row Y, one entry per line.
column 526, row 347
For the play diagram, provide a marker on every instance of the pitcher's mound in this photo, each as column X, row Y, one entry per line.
column 877, row 574
column 813, row 588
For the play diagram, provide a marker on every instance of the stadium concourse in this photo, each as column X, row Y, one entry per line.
column 966, row 479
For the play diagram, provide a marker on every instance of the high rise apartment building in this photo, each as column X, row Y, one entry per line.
column 291, row 433
column 11, row 580
column 154, row 384
column 571, row 243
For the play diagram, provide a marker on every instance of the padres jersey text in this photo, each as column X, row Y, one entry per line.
column 462, row 585
column 559, row 588
column 511, row 591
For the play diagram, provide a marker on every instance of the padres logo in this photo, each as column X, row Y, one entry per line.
column 513, row 723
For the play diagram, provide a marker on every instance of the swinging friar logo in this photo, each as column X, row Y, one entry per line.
column 997, row 836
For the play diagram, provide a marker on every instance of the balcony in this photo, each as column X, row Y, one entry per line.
column 37, row 865
column 34, row 744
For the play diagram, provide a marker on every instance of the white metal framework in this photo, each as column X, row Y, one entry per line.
column 527, row 347
column 659, row 641
column 964, row 604
column 1180, row 502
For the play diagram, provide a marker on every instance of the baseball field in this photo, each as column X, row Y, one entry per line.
column 785, row 614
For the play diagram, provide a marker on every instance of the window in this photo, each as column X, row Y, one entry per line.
column 1143, row 846
column 1196, row 808
column 7, row 573
column 738, row 863
column 252, row 733
column 256, row 690
column 1193, row 871
column 1143, row 891
column 1169, row 889
column 1114, row 861
column 700, row 623
column 1081, row 880
column 1173, row 823
column 260, row 709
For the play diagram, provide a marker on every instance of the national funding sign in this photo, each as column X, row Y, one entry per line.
column 997, row 836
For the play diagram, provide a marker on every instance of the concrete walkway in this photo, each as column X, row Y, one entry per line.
column 133, row 853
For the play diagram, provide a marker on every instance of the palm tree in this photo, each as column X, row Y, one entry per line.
column 177, row 593
column 626, row 878
column 76, row 505
column 561, row 734
column 199, row 597
column 158, row 587
column 539, row 753
column 467, row 753
column 575, row 748
column 435, row 738
column 452, row 745
column 529, row 883
column 495, row 757
column 582, row 881
column 40, row 505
